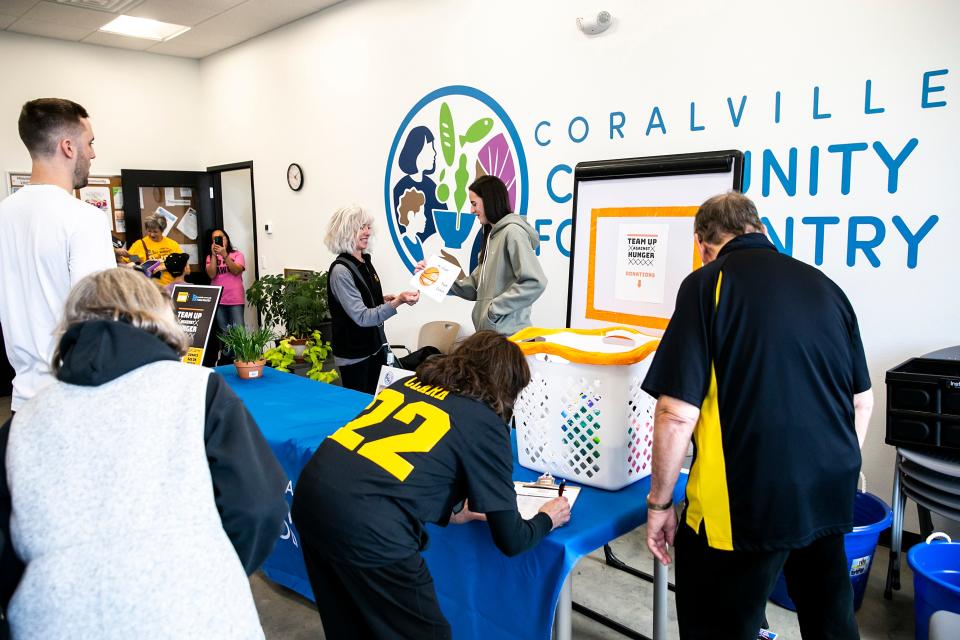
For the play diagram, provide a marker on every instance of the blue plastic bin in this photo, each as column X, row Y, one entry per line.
column 936, row 581
column 871, row 516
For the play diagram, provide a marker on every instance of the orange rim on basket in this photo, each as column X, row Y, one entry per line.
column 524, row 337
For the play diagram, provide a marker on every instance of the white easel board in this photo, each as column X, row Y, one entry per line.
column 632, row 234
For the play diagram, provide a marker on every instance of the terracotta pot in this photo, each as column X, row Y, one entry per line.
column 299, row 346
column 247, row 370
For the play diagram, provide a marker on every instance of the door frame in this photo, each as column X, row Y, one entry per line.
column 215, row 172
column 133, row 179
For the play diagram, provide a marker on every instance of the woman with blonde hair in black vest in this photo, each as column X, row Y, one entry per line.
column 358, row 305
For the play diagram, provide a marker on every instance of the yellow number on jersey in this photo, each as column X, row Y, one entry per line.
column 385, row 451
column 388, row 399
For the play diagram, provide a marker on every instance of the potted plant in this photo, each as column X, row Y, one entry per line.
column 248, row 348
column 316, row 351
column 298, row 302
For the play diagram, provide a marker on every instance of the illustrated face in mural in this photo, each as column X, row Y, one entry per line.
column 411, row 213
column 427, row 160
column 449, row 139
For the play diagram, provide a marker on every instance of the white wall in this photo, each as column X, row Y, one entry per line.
column 143, row 107
column 331, row 90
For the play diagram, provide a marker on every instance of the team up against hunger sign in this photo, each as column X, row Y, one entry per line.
column 637, row 257
column 195, row 306
column 641, row 261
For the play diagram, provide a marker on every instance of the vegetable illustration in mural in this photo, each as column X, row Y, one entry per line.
column 448, row 139
column 477, row 131
column 434, row 159
column 496, row 159
column 462, row 176
column 443, row 191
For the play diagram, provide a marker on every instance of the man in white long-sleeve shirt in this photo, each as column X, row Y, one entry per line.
column 49, row 239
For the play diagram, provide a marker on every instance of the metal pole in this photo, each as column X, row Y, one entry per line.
column 659, row 600
column 563, row 618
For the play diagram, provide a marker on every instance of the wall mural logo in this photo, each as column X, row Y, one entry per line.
column 450, row 138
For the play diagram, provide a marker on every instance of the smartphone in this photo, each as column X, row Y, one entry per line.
column 218, row 241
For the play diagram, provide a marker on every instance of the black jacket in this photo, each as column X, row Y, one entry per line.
column 248, row 482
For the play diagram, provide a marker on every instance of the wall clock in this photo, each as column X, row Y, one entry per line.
column 295, row 177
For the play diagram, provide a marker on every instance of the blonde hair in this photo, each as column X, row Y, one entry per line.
column 344, row 226
column 122, row 295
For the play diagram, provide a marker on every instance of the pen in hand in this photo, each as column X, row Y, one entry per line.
column 563, row 484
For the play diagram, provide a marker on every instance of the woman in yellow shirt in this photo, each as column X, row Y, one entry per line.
column 155, row 246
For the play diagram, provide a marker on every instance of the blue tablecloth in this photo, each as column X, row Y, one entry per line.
column 483, row 593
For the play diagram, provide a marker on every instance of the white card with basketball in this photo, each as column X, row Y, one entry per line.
column 436, row 278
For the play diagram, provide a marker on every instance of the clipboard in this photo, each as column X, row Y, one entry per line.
column 532, row 496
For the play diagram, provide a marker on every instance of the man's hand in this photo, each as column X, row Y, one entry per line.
column 388, row 297
column 466, row 515
column 661, row 528
column 559, row 511
column 420, row 266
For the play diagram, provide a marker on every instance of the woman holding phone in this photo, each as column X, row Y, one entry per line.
column 225, row 266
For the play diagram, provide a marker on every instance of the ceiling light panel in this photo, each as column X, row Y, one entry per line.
column 144, row 28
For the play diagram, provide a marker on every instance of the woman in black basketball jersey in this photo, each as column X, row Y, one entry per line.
column 424, row 446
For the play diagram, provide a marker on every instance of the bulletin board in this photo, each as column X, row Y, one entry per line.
column 103, row 192
column 632, row 234
column 179, row 205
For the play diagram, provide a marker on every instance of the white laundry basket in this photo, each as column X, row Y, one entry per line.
column 583, row 416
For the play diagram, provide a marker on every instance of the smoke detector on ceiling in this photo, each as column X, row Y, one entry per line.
column 597, row 24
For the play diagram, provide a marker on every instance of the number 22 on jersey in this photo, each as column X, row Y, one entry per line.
column 385, row 451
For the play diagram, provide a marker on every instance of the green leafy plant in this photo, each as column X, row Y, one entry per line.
column 316, row 354
column 298, row 303
column 247, row 345
column 316, row 351
column 281, row 357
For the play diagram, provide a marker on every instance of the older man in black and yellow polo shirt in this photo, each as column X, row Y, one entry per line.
column 763, row 366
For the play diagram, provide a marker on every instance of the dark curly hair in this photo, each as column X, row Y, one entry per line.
column 486, row 367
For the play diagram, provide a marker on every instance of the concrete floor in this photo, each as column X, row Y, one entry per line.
column 626, row 599
column 287, row 616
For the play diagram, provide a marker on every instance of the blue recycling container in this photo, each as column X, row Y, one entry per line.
column 936, row 581
column 871, row 516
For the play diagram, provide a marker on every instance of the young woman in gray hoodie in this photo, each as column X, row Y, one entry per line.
column 508, row 279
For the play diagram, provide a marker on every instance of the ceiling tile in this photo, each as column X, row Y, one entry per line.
column 196, row 49
column 71, row 16
column 49, row 29
column 196, row 43
column 215, row 24
column 6, row 21
column 115, row 40
column 16, row 7
column 185, row 13
column 109, row 6
column 241, row 23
